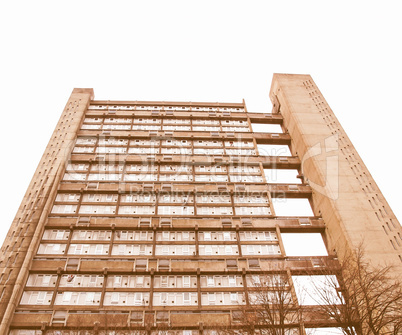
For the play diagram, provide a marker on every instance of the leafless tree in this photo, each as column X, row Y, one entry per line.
column 271, row 309
column 361, row 298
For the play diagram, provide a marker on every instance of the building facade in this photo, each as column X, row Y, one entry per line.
column 160, row 217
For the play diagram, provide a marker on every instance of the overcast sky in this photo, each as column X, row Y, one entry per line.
column 198, row 51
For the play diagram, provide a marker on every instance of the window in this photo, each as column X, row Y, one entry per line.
column 25, row 332
column 250, row 249
column 164, row 281
column 140, row 281
column 207, row 250
column 36, row 298
column 64, row 209
column 132, row 249
column 186, row 298
column 80, row 167
column 221, row 281
column 42, row 280
column 67, row 296
column 211, row 298
column 78, row 298
column 175, row 210
column 138, row 299
column 241, row 152
column 117, row 281
column 165, row 235
column 60, row 234
column 88, row 249
column 227, row 236
column 186, row 281
column 52, row 249
column 228, row 250
column 232, row 281
column 142, row 249
column 126, row 298
column 164, row 299
column 218, row 249
column 104, row 177
column 265, row 249
column 75, row 176
column 251, row 199
column 99, row 249
column 92, row 197
column 177, row 249
column 186, row 250
column 218, row 198
column 210, row 281
column 215, row 178
column 214, row 210
column 137, row 210
column 85, row 209
column 62, row 197
column 262, row 210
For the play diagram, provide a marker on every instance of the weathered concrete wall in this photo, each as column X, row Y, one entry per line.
column 344, row 192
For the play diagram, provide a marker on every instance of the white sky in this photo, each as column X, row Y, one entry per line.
column 198, row 51
column 305, row 244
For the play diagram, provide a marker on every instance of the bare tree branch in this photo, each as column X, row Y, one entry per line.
column 362, row 298
column 272, row 309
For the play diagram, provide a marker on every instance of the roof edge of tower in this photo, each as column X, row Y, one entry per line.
column 85, row 90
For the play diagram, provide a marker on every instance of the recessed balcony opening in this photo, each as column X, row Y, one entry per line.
column 274, row 150
column 282, row 176
column 304, row 244
column 317, row 290
column 266, row 128
column 292, row 207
